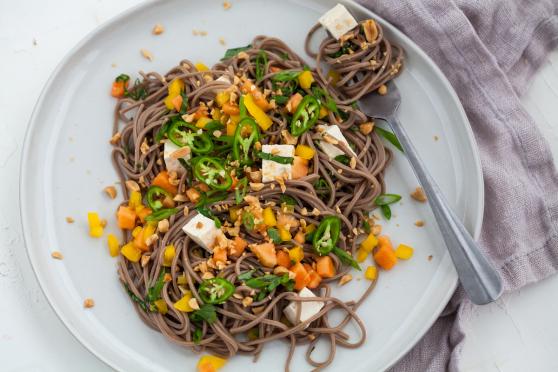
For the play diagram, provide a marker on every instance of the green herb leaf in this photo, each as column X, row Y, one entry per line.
column 209, row 214
column 325, row 99
column 343, row 159
column 162, row 131
column 287, row 199
column 275, row 158
column 234, row 51
column 184, row 105
column 206, row 313
column 248, row 221
column 213, row 126
column 390, row 137
column 137, row 92
column 386, row 199
column 280, row 100
column 240, row 190
column 197, row 336
column 273, row 234
column 246, row 275
column 136, row 299
column 261, row 63
column 154, row 293
column 366, row 226
column 386, row 211
column 345, row 257
column 286, row 75
column 122, row 77
column 161, row 214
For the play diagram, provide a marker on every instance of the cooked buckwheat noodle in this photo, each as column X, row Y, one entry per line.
column 348, row 192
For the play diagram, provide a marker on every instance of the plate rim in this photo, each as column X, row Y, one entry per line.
column 25, row 154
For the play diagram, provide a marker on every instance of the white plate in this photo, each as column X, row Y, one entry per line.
column 66, row 164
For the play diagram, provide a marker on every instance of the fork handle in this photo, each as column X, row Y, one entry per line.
column 478, row 277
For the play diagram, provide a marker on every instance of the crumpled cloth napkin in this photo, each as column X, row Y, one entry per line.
column 489, row 50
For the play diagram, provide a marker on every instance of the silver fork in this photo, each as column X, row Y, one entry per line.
column 478, row 277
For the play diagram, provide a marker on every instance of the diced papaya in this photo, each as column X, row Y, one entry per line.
column 283, row 259
column 325, row 267
column 163, row 181
column 266, row 254
column 126, row 218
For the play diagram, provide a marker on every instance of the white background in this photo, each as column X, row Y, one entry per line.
column 518, row 333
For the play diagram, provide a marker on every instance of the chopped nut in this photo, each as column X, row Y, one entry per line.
column 280, row 270
column 103, row 222
column 180, row 153
column 419, row 195
column 115, row 138
column 180, row 198
column 70, row 220
column 345, row 279
column 199, row 225
column 430, row 258
column 110, row 191
column 340, row 171
column 56, row 255
column 158, row 29
column 207, row 275
column 193, row 303
column 146, row 54
column 247, row 301
column 167, row 277
column 188, row 117
column 255, row 176
column 337, row 209
column 163, row 226
column 145, row 259
column 88, row 303
column 353, row 162
column 366, row 128
column 238, row 296
column 419, row 223
column 370, row 30
column 186, row 211
column 257, row 310
column 330, row 139
column 217, row 133
column 258, row 145
column 243, row 55
column 202, row 33
column 304, row 211
column 315, row 212
column 152, row 240
column 132, row 185
column 436, row 138
column 376, row 229
column 311, row 337
column 226, row 5
column 256, row 186
column 382, row 90
column 222, row 41
column 288, row 138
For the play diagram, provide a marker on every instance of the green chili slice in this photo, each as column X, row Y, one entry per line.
column 154, row 196
column 184, row 134
column 211, row 172
column 305, row 116
column 246, row 134
column 326, row 235
column 275, row 158
column 161, row 214
column 216, row 290
column 261, row 63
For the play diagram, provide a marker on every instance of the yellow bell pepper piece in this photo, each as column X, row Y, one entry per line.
column 201, row 67
column 175, row 88
column 182, row 304
column 222, row 97
column 161, row 306
column 404, row 252
column 135, row 200
column 168, row 255
column 231, row 128
column 285, row 234
column 361, row 255
column 113, row 245
column 305, row 152
column 269, row 217
column 202, row 122
column 136, row 231
column 369, row 243
column 210, row 363
column 257, row 113
column 371, row 273
column 181, row 279
column 148, row 230
column 234, row 213
column 305, row 79
column 309, row 228
column 335, row 77
column 296, row 254
column 131, row 252
column 323, row 112
column 95, row 228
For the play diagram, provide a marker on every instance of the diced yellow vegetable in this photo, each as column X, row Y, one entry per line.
column 216, row 114
column 404, row 252
column 181, row 279
column 95, row 228
column 257, row 113
column 222, row 97
column 231, row 128
column 182, row 304
column 135, row 199
column 175, row 88
column 323, row 112
column 113, row 245
column 210, row 363
column 305, row 152
column 371, row 273
column 161, row 306
column 201, row 67
column 310, row 228
column 334, row 75
column 369, row 243
column 168, row 255
column 148, row 230
column 234, row 213
column 285, row 234
column 269, row 217
column 202, row 122
column 131, row 252
column 235, row 119
column 305, row 79
column 296, row 254
column 136, row 231
column 361, row 255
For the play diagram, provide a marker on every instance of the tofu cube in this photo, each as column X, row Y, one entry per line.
column 307, row 309
column 332, row 150
column 171, row 154
column 202, row 230
column 272, row 169
column 338, row 21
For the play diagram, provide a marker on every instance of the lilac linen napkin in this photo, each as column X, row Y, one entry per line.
column 489, row 51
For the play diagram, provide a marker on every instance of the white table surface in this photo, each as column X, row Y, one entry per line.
column 518, row 333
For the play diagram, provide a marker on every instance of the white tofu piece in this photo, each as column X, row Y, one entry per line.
column 307, row 309
column 171, row 154
column 338, row 21
column 272, row 169
column 202, row 230
column 331, row 150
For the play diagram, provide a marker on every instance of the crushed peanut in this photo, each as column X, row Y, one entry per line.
column 419, row 195
column 146, row 54
column 257, row 310
column 280, row 270
column 238, row 296
column 345, row 279
column 382, row 90
column 56, row 255
column 115, row 138
column 167, row 277
column 110, row 191
column 163, row 226
column 316, row 212
column 222, row 41
column 256, row 186
column 103, row 222
column 247, row 301
column 376, row 229
column 180, row 198
column 145, row 259
column 70, row 220
column 330, row 139
column 88, row 303
column 193, row 303
column 132, row 185
column 366, row 128
column 430, row 258
column 288, row 137
column 353, row 162
column 370, row 30
column 226, row 5
column 186, row 211
column 158, row 29
column 207, row 275
column 419, row 223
